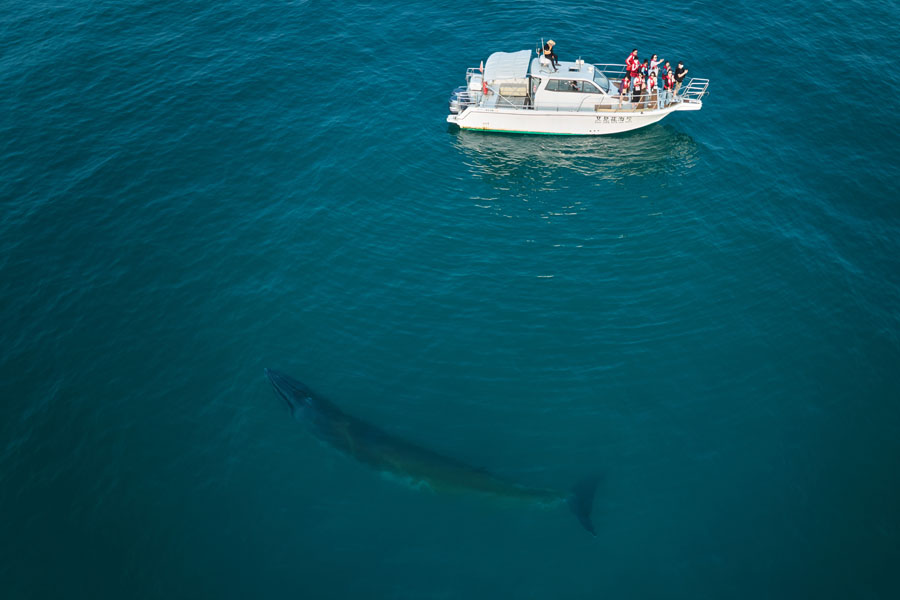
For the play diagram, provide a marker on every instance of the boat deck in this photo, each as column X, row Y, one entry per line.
column 690, row 93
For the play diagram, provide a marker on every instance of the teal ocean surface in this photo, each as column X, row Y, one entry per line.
column 704, row 312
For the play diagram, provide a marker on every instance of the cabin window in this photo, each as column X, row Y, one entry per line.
column 535, row 84
column 601, row 80
column 565, row 85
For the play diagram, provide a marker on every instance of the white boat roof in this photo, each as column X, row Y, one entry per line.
column 507, row 65
column 567, row 70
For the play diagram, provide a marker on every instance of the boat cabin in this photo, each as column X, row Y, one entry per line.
column 516, row 80
column 574, row 86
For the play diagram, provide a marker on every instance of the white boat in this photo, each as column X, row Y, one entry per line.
column 518, row 92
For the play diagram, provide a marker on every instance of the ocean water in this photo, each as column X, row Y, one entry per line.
column 706, row 312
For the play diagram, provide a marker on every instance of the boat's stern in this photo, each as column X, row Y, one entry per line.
column 455, row 99
column 467, row 95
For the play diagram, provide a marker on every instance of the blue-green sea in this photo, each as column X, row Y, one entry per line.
column 705, row 312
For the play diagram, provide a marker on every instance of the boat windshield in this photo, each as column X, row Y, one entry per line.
column 601, row 80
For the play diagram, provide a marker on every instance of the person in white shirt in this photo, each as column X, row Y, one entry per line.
column 654, row 65
column 651, row 89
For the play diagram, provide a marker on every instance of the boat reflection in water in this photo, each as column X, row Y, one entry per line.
column 510, row 159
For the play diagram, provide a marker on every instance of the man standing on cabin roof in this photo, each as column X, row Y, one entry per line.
column 550, row 54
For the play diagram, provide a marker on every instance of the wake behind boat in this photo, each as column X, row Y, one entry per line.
column 519, row 92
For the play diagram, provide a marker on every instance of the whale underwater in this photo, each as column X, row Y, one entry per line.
column 390, row 454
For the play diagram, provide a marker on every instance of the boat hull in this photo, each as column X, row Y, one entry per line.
column 558, row 122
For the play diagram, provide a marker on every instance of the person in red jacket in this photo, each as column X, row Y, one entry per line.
column 668, row 86
column 637, row 96
column 650, row 87
column 631, row 64
column 624, row 85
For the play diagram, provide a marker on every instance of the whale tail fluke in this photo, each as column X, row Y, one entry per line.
column 581, row 501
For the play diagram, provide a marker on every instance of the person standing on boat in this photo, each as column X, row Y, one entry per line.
column 551, row 55
column 653, row 72
column 623, row 89
column 654, row 65
column 652, row 92
column 637, row 95
column 668, row 85
column 632, row 64
column 680, row 72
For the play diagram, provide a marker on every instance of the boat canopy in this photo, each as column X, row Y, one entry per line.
column 507, row 65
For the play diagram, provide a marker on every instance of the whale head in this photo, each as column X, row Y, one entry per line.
column 297, row 396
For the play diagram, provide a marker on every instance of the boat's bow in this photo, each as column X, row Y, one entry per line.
column 691, row 96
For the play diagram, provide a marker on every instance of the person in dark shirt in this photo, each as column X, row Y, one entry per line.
column 549, row 53
column 680, row 72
